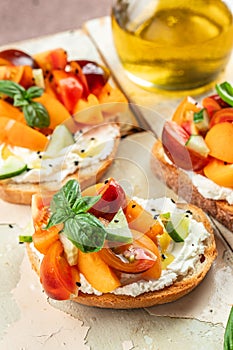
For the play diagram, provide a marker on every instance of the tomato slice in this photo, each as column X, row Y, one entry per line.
column 184, row 114
column 221, row 116
column 112, row 199
column 68, row 88
column 211, row 105
column 40, row 209
column 58, row 278
column 131, row 258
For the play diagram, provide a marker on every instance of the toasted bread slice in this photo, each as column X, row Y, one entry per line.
column 21, row 193
column 182, row 286
column 176, row 179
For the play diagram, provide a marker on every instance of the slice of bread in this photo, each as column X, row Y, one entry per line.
column 21, row 193
column 182, row 286
column 176, row 179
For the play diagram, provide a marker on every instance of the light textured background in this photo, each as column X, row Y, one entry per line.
column 25, row 19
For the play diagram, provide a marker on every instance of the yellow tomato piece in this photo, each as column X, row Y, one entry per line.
column 88, row 111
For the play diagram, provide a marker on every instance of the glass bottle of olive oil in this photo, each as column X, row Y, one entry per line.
column 173, row 44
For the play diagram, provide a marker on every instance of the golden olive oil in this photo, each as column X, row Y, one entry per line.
column 175, row 44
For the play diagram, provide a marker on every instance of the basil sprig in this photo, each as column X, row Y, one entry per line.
column 225, row 91
column 83, row 229
column 228, row 336
column 34, row 112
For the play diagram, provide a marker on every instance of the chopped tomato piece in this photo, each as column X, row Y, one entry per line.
column 58, row 278
column 68, row 88
column 112, row 199
column 221, row 116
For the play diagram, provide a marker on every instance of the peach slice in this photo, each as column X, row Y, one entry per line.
column 219, row 140
column 219, row 172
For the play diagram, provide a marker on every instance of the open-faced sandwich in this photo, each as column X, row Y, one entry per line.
column 195, row 155
column 101, row 248
column 38, row 94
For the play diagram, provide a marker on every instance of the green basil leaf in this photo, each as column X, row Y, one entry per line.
column 33, row 92
column 66, row 196
column 83, row 204
column 36, row 115
column 228, row 336
column 10, row 88
column 19, row 101
column 58, row 217
column 84, row 233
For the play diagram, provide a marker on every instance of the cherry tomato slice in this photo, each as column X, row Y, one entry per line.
column 174, row 139
column 221, row 116
column 112, row 199
column 18, row 58
column 58, row 278
column 130, row 258
column 211, row 105
column 96, row 75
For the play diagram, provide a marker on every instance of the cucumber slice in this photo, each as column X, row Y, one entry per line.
column 197, row 144
column 12, row 166
column 177, row 226
column 118, row 229
column 202, row 120
column 61, row 138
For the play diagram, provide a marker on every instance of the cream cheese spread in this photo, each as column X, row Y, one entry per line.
column 89, row 149
column 186, row 254
column 209, row 189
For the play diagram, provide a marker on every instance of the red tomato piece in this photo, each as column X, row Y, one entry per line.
column 132, row 258
column 68, row 88
column 58, row 278
column 211, row 105
column 112, row 199
column 221, row 116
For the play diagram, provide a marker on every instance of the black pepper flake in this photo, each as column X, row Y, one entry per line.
column 152, row 209
column 134, row 205
column 78, row 284
column 92, row 139
column 202, row 258
column 116, row 221
column 10, row 225
column 189, row 212
column 50, row 165
column 28, row 169
column 173, row 201
column 82, row 150
column 187, row 215
column 106, row 181
column 40, row 156
column 76, row 71
column 225, row 163
column 38, row 152
column 163, row 256
column 80, row 131
column 76, row 162
column 156, row 216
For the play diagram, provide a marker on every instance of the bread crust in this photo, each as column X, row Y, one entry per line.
column 179, row 182
column 21, row 193
column 177, row 290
